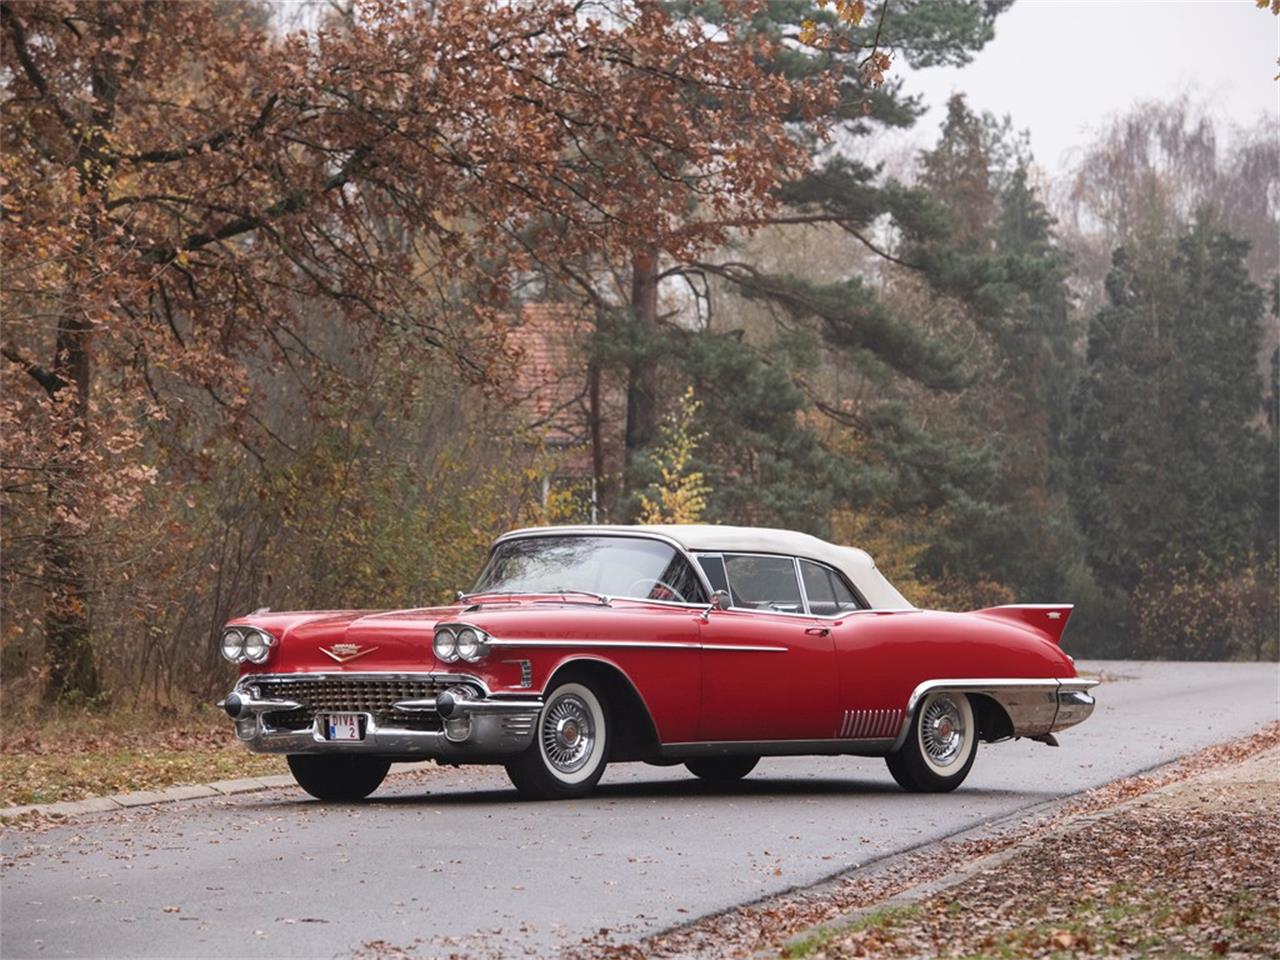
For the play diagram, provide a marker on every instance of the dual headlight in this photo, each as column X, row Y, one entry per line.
column 246, row 643
column 460, row 642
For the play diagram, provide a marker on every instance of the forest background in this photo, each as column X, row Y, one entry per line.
column 264, row 285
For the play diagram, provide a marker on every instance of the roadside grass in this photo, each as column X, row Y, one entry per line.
column 1140, row 924
column 1190, row 871
column 882, row 920
column 71, row 755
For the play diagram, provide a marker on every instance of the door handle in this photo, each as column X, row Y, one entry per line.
column 817, row 631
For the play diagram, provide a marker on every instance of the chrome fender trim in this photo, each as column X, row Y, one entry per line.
column 1036, row 706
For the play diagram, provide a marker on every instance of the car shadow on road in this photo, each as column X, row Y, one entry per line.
column 691, row 789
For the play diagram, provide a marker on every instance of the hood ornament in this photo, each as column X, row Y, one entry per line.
column 343, row 652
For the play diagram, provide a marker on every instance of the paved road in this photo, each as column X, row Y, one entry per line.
column 451, row 862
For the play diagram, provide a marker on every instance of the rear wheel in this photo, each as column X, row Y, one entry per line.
column 337, row 777
column 570, row 748
column 722, row 769
column 940, row 747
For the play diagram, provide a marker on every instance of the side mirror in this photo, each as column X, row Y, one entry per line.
column 720, row 600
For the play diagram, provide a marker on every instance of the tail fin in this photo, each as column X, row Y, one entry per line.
column 1049, row 618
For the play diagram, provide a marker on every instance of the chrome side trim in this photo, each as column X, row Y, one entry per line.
column 478, row 708
column 552, row 642
column 776, row 748
column 873, row 610
column 1033, row 703
column 1031, row 606
column 742, row 648
column 636, row 644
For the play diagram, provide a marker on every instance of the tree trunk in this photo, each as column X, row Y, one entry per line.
column 599, row 507
column 72, row 671
column 68, row 653
column 642, row 371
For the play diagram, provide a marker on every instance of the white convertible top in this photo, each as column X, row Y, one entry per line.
column 855, row 564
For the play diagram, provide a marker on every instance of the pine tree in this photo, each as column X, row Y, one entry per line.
column 846, row 316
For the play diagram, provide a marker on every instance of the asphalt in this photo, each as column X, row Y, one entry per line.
column 447, row 862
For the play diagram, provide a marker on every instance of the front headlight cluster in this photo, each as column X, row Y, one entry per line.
column 460, row 642
column 247, row 643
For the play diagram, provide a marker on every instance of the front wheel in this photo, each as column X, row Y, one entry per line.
column 940, row 747
column 570, row 748
column 337, row 777
column 721, row 769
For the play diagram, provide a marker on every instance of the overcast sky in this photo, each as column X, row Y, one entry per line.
column 1061, row 67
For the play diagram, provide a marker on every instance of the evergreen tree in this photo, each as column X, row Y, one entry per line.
column 768, row 447
column 1168, row 459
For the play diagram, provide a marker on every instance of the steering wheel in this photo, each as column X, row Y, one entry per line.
column 657, row 583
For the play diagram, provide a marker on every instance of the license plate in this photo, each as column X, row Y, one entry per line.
column 343, row 726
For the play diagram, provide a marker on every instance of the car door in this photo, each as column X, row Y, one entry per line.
column 768, row 667
column 869, row 665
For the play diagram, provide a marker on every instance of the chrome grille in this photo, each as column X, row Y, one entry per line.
column 358, row 695
column 373, row 695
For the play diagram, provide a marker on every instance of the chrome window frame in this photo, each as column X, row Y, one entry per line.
column 858, row 598
column 795, row 565
column 804, row 594
column 698, row 572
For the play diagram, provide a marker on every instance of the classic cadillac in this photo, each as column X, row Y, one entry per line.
column 703, row 645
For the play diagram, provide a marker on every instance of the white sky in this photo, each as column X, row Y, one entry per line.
column 1060, row 68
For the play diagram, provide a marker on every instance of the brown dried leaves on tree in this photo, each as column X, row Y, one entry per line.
column 183, row 186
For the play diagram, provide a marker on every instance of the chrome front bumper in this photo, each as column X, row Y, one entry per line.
column 462, row 722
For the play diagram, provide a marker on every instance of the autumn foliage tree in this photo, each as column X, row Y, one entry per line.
column 184, row 186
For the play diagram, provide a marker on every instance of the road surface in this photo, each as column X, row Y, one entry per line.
column 451, row 863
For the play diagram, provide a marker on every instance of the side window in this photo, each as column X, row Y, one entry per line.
column 763, row 583
column 713, row 567
column 828, row 594
column 680, row 578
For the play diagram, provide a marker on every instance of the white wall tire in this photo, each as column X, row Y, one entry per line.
column 941, row 745
column 570, row 748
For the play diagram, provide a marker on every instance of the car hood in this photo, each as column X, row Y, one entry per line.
column 400, row 640
column 349, row 639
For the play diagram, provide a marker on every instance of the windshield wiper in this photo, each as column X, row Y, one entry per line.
column 599, row 598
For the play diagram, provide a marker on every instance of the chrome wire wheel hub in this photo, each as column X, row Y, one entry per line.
column 942, row 732
column 567, row 733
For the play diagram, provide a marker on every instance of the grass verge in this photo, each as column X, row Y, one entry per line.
column 72, row 756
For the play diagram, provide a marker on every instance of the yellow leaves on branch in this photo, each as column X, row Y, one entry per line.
column 850, row 13
column 682, row 492
column 1274, row 6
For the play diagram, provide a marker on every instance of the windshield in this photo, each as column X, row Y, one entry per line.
column 634, row 567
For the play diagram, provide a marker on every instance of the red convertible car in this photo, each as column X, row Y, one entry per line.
column 703, row 645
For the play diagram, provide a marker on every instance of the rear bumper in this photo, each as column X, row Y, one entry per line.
column 1074, row 706
column 458, row 728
